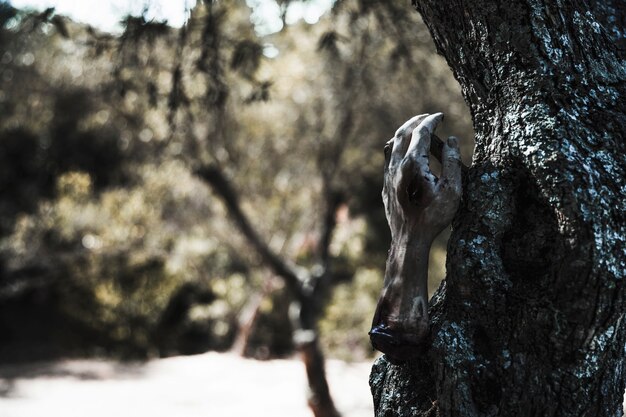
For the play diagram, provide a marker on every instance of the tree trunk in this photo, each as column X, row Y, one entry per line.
column 306, row 287
column 304, row 313
column 318, row 395
column 529, row 319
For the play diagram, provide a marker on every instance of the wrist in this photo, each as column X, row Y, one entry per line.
column 412, row 243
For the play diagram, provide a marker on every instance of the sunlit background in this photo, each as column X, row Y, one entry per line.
column 168, row 170
column 107, row 15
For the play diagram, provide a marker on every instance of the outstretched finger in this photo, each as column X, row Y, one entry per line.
column 402, row 138
column 409, row 125
column 451, row 163
column 419, row 148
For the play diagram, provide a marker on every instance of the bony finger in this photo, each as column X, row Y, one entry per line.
column 420, row 145
column 409, row 125
column 431, row 122
column 403, row 137
column 420, row 142
column 453, row 142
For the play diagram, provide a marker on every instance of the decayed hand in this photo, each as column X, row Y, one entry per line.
column 418, row 206
column 417, row 203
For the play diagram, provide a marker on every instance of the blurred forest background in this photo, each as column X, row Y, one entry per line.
column 153, row 182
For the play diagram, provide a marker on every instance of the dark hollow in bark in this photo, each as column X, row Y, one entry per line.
column 529, row 321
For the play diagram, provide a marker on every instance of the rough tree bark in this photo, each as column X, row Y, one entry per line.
column 529, row 321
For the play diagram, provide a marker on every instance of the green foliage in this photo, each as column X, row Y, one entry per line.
column 7, row 12
column 111, row 265
column 115, row 264
column 106, row 230
column 138, row 28
column 247, row 57
column 348, row 317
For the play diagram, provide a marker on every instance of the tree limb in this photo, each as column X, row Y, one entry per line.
column 221, row 185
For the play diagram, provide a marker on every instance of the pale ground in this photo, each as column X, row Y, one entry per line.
column 208, row 385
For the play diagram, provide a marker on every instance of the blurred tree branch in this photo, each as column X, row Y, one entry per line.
column 222, row 186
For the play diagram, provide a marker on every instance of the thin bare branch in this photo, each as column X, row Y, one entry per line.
column 293, row 277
